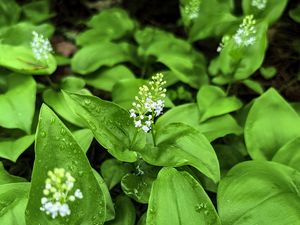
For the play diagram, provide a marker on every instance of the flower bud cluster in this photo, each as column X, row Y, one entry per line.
column 41, row 47
column 57, row 193
column 149, row 103
column 245, row 35
column 259, row 4
column 192, row 9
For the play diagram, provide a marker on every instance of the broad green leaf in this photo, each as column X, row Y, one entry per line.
column 178, row 144
column 289, row 154
column 125, row 212
column 84, row 138
column 21, row 59
column 178, row 199
column 270, row 124
column 261, row 193
column 18, row 102
column 189, row 114
column 92, row 57
column 270, row 13
column 56, row 148
column 56, row 100
column 21, row 33
column 6, row 178
column 107, row 78
column 13, row 200
column 37, row 11
column 10, row 12
column 110, row 210
column 254, row 85
column 113, row 170
column 12, row 148
column 142, row 220
column 110, row 124
column 138, row 185
column 212, row 101
column 215, row 18
column 72, row 83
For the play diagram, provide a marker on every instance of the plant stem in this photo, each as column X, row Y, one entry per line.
column 153, row 135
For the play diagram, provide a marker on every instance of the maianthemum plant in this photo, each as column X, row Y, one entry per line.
column 174, row 144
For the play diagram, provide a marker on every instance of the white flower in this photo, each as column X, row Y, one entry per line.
column 245, row 35
column 41, row 47
column 149, row 103
column 58, row 192
column 259, row 4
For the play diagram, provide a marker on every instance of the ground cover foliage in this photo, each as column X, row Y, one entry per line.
column 149, row 112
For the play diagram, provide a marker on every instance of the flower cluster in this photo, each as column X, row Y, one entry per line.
column 149, row 104
column 41, row 47
column 57, row 193
column 260, row 4
column 224, row 41
column 245, row 35
column 192, row 8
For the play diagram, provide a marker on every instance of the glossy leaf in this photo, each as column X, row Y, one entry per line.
column 113, row 170
column 270, row 124
column 84, row 138
column 6, row 178
column 18, row 102
column 12, row 148
column 289, row 154
column 57, row 148
column 92, row 57
column 212, row 101
column 262, row 193
column 178, row 199
column 13, row 199
column 125, row 212
column 110, row 124
column 10, row 12
column 178, row 144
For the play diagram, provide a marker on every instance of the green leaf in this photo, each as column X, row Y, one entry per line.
column 11, row 148
column 215, row 18
column 57, row 148
column 270, row 124
column 262, row 193
column 107, row 78
column 295, row 13
column 138, row 185
column 21, row 33
column 110, row 124
column 254, row 85
column 178, row 144
column 13, row 200
column 10, row 12
column 37, row 11
column 110, row 210
column 268, row 72
column 212, row 101
column 113, row 170
column 6, row 178
column 178, row 199
column 18, row 102
column 21, row 59
column 72, row 83
column 189, row 114
column 84, row 138
column 125, row 212
column 238, row 63
column 109, row 24
column 289, row 154
column 92, row 57
column 272, row 12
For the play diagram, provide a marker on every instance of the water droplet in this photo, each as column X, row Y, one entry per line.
column 152, row 210
column 87, row 101
column 43, row 134
column 206, row 212
column 52, row 120
column 80, row 173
